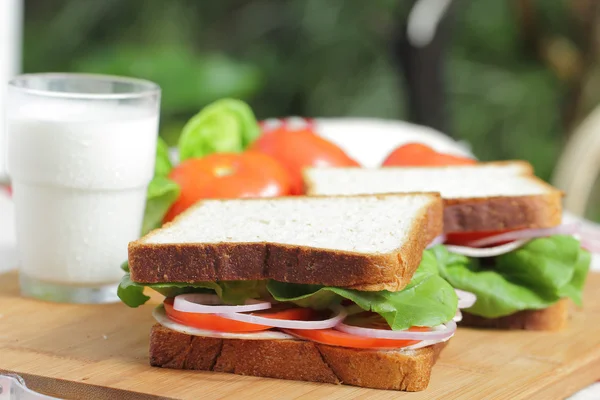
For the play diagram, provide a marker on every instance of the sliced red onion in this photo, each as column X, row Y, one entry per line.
column 437, row 240
column 592, row 246
column 457, row 317
column 437, row 333
column 339, row 315
column 423, row 343
column 161, row 317
column 202, row 303
column 564, row 229
column 465, row 299
column 486, row 251
column 589, row 231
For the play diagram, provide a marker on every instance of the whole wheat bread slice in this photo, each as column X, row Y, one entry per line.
column 482, row 197
column 300, row 360
column 366, row 242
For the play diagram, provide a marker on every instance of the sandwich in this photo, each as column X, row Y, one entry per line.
column 325, row 289
column 504, row 241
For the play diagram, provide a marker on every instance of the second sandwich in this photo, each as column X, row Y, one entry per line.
column 504, row 238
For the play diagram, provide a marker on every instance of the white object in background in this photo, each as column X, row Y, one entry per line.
column 13, row 387
column 423, row 20
column 369, row 141
column 578, row 167
column 11, row 22
column 592, row 392
column 8, row 241
column 81, row 154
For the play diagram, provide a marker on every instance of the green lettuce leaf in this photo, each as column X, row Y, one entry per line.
column 163, row 165
column 532, row 277
column 428, row 300
column 131, row 293
column 125, row 266
column 574, row 289
column 237, row 292
column 496, row 295
column 162, row 193
column 231, row 292
column 311, row 296
column 227, row 125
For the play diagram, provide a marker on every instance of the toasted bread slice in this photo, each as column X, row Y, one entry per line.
column 361, row 242
column 553, row 318
column 407, row 370
column 483, row 197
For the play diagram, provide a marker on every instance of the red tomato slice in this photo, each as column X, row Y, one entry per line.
column 365, row 319
column 336, row 338
column 464, row 238
column 213, row 322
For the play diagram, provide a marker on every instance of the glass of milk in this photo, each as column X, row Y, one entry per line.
column 81, row 152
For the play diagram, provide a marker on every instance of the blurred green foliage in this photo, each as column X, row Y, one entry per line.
column 300, row 57
column 313, row 58
column 504, row 101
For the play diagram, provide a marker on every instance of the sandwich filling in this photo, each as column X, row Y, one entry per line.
column 421, row 314
column 513, row 276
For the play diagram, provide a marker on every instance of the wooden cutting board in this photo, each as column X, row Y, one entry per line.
column 100, row 352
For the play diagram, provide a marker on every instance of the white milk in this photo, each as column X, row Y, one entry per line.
column 80, row 172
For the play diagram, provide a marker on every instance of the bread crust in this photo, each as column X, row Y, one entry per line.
column 495, row 213
column 553, row 318
column 194, row 262
column 295, row 359
column 498, row 213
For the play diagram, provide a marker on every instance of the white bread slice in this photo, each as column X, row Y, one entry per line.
column 363, row 224
column 367, row 242
column 486, row 196
column 472, row 181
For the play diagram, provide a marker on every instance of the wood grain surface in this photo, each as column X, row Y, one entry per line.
column 100, row 352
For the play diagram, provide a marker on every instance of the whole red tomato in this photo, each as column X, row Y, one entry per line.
column 228, row 175
column 298, row 149
column 417, row 154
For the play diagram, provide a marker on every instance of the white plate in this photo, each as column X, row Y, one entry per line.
column 369, row 141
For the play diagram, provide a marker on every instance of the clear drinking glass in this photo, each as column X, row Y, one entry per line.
column 81, row 152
